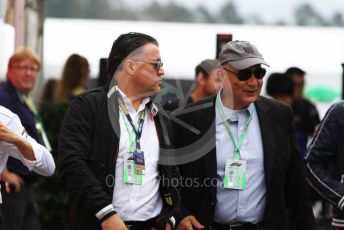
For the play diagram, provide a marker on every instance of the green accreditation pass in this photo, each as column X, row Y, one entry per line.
column 129, row 174
column 235, row 174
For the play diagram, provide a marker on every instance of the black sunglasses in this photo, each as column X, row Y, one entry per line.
column 245, row 74
column 157, row 64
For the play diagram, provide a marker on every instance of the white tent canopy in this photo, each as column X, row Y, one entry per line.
column 317, row 50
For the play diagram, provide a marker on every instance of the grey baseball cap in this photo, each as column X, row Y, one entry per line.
column 241, row 55
column 208, row 65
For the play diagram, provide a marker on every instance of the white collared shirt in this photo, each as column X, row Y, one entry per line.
column 138, row 202
column 43, row 163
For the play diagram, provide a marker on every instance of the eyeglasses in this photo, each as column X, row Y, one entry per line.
column 245, row 74
column 157, row 64
column 26, row 68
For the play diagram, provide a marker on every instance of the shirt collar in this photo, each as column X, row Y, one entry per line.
column 128, row 104
column 230, row 114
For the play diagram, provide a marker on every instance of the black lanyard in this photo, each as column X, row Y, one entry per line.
column 138, row 131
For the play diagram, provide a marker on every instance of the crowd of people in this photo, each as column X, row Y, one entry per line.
column 225, row 158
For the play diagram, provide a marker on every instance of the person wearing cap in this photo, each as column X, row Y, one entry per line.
column 111, row 141
column 207, row 83
column 15, row 142
column 249, row 172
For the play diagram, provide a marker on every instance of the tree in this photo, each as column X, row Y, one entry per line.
column 229, row 14
column 306, row 15
column 79, row 9
column 338, row 19
column 171, row 12
column 201, row 14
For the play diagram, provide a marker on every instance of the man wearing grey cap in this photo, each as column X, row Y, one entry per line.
column 248, row 169
column 207, row 83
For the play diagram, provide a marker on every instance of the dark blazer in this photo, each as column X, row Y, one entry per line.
column 9, row 98
column 287, row 198
column 89, row 149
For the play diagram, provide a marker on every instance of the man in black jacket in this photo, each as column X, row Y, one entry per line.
column 242, row 163
column 110, row 142
column 325, row 161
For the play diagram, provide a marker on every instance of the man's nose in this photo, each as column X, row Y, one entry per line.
column 161, row 71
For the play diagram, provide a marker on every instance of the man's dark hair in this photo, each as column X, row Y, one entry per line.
column 295, row 71
column 279, row 84
column 123, row 46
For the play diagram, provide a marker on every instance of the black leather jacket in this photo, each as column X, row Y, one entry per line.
column 325, row 160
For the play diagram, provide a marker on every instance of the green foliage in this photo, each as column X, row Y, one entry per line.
column 170, row 12
column 338, row 19
column 52, row 193
column 229, row 14
column 203, row 15
column 305, row 14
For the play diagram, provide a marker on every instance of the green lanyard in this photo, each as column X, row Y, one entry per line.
column 224, row 121
column 39, row 124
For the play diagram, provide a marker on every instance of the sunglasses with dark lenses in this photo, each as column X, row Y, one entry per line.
column 157, row 64
column 245, row 74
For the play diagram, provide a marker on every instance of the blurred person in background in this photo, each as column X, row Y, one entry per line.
column 56, row 96
column 280, row 88
column 306, row 116
column 48, row 92
column 207, row 83
column 19, row 205
column 306, row 119
column 75, row 76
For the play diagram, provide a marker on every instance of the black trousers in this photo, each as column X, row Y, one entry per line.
column 2, row 221
column 20, row 209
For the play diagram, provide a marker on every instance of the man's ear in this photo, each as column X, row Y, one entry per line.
column 221, row 75
column 200, row 79
column 129, row 67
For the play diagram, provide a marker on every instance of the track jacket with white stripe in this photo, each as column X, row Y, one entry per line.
column 325, row 161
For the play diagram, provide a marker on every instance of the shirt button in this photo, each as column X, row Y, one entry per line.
column 212, row 203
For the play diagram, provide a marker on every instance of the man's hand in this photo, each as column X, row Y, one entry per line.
column 7, row 135
column 23, row 145
column 168, row 227
column 12, row 178
column 189, row 223
column 113, row 222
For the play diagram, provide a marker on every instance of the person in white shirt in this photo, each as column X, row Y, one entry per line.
column 15, row 142
column 111, row 143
